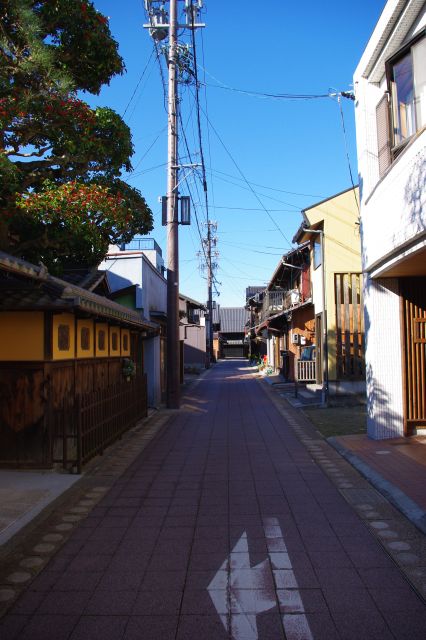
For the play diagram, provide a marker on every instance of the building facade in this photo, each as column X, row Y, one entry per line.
column 390, row 91
column 135, row 276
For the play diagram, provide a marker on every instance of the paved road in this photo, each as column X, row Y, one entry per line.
column 224, row 527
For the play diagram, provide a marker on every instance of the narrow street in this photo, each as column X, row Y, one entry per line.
column 223, row 527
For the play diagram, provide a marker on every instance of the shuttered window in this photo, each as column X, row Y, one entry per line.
column 383, row 135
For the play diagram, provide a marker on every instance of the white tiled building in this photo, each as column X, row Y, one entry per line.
column 390, row 91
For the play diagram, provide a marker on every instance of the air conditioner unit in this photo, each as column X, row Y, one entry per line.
column 295, row 338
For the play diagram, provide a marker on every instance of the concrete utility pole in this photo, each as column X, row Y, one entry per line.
column 210, row 295
column 162, row 25
column 173, row 345
column 209, row 242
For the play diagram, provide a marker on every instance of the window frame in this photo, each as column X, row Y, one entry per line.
column 396, row 148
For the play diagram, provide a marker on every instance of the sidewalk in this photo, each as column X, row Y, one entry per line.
column 395, row 467
column 234, row 520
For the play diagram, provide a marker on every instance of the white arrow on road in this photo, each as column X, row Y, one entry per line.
column 239, row 592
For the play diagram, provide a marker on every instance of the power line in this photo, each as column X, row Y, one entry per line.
column 250, row 188
column 262, row 94
column 139, row 82
column 197, row 102
column 250, row 209
column 149, row 149
column 246, row 181
column 187, row 186
column 262, row 186
column 347, row 152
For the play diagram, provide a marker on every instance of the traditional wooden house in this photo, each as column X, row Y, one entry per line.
column 283, row 313
column 71, row 368
column 229, row 331
column 331, row 230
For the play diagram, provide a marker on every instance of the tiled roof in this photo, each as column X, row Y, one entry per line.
column 231, row 319
column 86, row 278
column 25, row 287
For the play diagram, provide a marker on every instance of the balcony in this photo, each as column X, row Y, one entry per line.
column 276, row 301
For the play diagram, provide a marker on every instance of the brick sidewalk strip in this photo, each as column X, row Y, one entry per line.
column 223, row 527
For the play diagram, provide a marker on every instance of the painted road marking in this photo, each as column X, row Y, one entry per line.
column 295, row 622
column 246, row 595
column 239, row 591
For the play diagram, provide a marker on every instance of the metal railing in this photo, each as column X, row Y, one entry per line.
column 142, row 244
column 276, row 301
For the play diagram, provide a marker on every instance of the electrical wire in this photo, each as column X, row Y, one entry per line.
column 262, row 186
column 347, row 152
column 139, row 82
column 246, row 181
column 148, row 150
column 262, row 195
column 262, row 94
column 250, row 209
column 197, row 103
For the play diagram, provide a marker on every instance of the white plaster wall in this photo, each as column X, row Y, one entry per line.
column 123, row 271
column 395, row 213
column 317, row 289
column 155, row 258
column 154, row 288
column 383, row 359
column 368, row 95
column 393, row 208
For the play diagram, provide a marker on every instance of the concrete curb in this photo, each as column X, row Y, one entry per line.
column 398, row 498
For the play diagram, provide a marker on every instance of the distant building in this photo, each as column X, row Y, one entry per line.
column 229, row 331
column 135, row 274
column 192, row 333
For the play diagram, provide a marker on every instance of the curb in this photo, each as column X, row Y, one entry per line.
column 398, row 498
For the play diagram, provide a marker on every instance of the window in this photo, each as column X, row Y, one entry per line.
column 101, row 340
column 63, row 337
column 317, row 253
column 114, row 341
column 407, row 76
column 85, row 339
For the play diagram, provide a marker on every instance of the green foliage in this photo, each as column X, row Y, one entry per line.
column 75, row 222
column 61, row 197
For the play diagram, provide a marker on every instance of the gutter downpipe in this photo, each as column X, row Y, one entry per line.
column 325, row 389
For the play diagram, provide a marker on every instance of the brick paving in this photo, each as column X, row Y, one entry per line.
column 223, row 527
column 401, row 461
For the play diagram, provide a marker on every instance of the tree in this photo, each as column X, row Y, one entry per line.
column 61, row 196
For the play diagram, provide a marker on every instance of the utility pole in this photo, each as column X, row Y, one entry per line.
column 209, row 242
column 173, row 344
column 162, row 25
column 210, row 295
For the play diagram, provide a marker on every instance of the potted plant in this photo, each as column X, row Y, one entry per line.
column 129, row 369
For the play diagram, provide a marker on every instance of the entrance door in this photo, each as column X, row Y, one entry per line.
column 413, row 303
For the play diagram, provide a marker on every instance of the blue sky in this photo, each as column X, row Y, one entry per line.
column 260, row 153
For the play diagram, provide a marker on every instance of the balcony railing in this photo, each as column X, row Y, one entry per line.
column 276, row 301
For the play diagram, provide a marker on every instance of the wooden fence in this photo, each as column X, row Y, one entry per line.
column 349, row 326
column 83, row 427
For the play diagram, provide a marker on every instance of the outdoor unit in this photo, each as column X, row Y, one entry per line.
column 295, row 338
